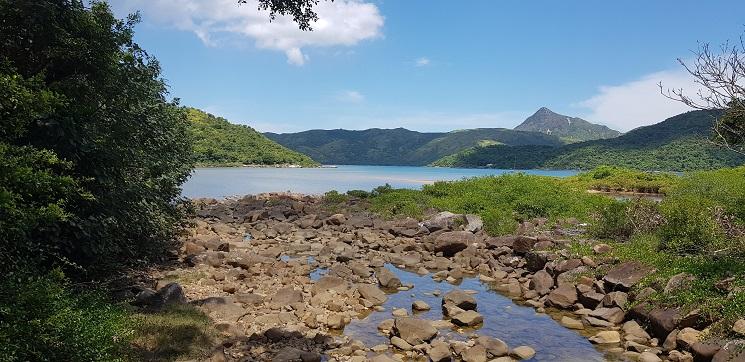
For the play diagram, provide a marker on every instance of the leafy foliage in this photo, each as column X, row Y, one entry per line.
column 619, row 179
column 399, row 146
column 41, row 319
column 218, row 142
column 94, row 154
column 679, row 143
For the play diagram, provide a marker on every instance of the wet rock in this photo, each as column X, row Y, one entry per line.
column 606, row 337
column 451, row 242
column 542, row 282
column 420, row 305
column 626, row 275
column 400, row 312
column 476, row 353
column 459, row 299
column 414, row 330
column 468, row 318
column 522, row 353
column 387, row 279
column 440, row 352
column 562, row 297
column 571, row 323
column 372, row 293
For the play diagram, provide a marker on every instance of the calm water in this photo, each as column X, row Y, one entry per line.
column 516, row 325
column 224, row 182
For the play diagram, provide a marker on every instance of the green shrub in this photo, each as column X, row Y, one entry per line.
column 612, row 178
column 622, row 219
column 690, row 226
column 41, row 319
column 359, row 194
column 334, row 197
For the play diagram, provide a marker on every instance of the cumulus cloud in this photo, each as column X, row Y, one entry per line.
column 422, row 62
column 639, row 102
column 351, row 96
column 341, row 23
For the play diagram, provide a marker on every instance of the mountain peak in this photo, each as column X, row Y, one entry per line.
column 570, row 129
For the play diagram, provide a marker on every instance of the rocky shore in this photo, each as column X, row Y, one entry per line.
column 249, row 264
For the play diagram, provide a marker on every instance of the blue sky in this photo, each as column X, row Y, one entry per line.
column 431, row 65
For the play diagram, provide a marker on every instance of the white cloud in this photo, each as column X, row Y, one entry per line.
column 341, row 23
column 639, row 102
column 422, row 62
column 351, row 96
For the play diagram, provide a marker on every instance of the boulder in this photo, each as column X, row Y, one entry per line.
column 468, row 318
column 591, row 299
column 372, row 293
column 688, row 337
column 616, row 299
column 739, row 327
column 420, row 305
column 663, row 321
column 170, row 294
column 440, row 352
column 678, row 281
column 542, row 282
column 401, row 344
column 443, row 221
column 614, row 315
column 495, row 347
column 451, row 242
column 571, row 323
column 387, row 279
column 473, row 223
column 328, row 283
column 562, row 297
column 536, row 260
column 476, row 353
column 522, row 353
column 414, row 330
column 606, row 337
column 523, row 244
column 286, row 296
column 626, row 275
column 459, row 299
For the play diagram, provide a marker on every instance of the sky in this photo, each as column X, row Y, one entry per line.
column 431, row 65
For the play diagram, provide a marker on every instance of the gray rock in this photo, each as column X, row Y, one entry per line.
column 440, row 352
column 523, row 352
column 372, row 293
column 542, row 282
column 459, row 299
column 495, row 347
column 414, row 330
column 387, row 279
column 476, row 353
column 468, row 318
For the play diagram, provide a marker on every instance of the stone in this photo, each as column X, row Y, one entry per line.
column 440, row 352
column 386, row 325
column 648, row 357
column 459, row 299
column 420, row 305
column 688, row 337
column 523, row 244
column 733, row 351
column 567, row 265
column 571, row 323
column 614, row 315
column 400, row 343
column 476, row 353
column 387, row 279
column 400, row 312
column 632, row 328
column 170, row 294
column 591, row 299
column 678, row 281
column 443, row 221
column 473, row 223
column 495, row 347
column 468, row 318
column 372, row 293
column 451, row 242
column 286, row 296
column 626, row 275
column 328, row 283
column 663, row 321
column 602, row 249
column 414, row 330
column 382, row 358
column 606, row 337
column 616, row 299
column 705, row 351
column 522, row 352
column 542, row 282
column 739, row 327
column 536, row 260
column 562, row 297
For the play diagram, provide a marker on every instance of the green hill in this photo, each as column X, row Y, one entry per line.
column 217, row 142
column 400, row 146
column 569, row 129
column 679, row 143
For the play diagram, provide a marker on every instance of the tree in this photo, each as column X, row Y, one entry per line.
column 300, row 10
column 93, row 153
column 722, row 75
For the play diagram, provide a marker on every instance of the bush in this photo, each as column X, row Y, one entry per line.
column 358, row 194
column 623, row 219
column 41, row 319
column 334, row 197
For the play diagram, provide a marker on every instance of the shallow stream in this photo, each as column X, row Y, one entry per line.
column 515, row 324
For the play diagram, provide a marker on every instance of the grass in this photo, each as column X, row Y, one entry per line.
column 501, row 201
column 179, row 332
column 722, row 305
column 619, row 179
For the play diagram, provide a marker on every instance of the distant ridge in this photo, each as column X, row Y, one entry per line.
column 679, row 143
column 569, row 129
column 400, row 146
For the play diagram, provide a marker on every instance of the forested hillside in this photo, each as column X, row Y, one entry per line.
column 218, row 142
column 399, row 146
column 679, row 143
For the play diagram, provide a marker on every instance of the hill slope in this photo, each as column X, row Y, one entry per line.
column 399, row 146
column 676, row 144
column 218, row 142
column 569, row 129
